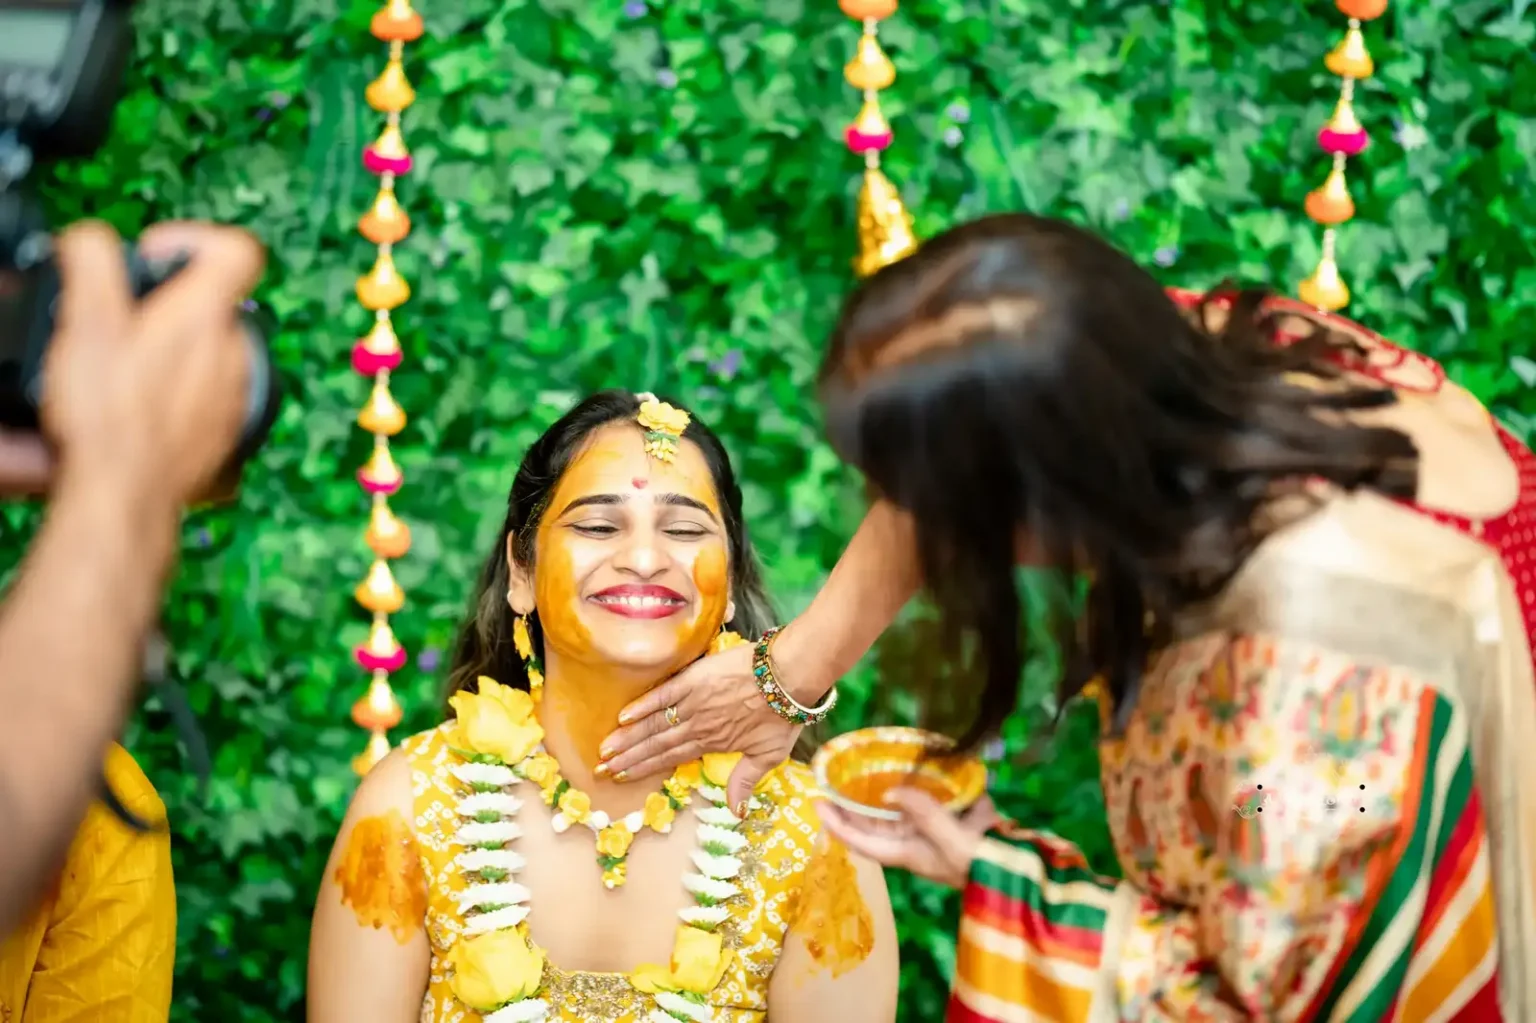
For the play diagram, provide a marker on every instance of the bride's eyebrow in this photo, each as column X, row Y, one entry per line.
column 684, row 501
column 590, row 499
column 675, row 500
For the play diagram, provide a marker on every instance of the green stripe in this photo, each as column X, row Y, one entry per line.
column 1060, row 875
column 1407, row 873
column 1056, row 912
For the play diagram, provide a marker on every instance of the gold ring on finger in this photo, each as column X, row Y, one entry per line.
column 671, row 715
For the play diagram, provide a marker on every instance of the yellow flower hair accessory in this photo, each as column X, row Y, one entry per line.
column 663, row 425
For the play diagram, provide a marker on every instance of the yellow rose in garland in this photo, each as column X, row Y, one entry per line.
column 614, row 841
column 576, row 805
column 658, row 814
column 496, row 722
column 717, row 767
column 699, row 961
column 543, row 770
column 492, row 969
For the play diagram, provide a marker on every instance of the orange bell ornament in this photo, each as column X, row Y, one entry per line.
column 378, row 710
column 368, row 759
column 1350, row 59
column 396, row 23
column 385, row 223
column 867, row 10
column 1331, row 203
column 387, row 536
column 379, row 592
column 885, row 226
column 382, row 414
column 870, row 68
column 383, row 287
column 1325, row 289
column 391, row 92
column 1364, row 10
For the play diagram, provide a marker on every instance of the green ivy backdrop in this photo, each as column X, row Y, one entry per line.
column 654, row 195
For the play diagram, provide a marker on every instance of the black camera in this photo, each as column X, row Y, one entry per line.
column 61, row 68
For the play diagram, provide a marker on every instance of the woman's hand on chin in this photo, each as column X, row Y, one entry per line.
column 718, row 709
column 929, row 841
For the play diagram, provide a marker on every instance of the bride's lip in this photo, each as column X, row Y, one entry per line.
column 640, row 601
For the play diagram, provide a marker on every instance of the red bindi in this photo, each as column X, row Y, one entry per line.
column 640, row 484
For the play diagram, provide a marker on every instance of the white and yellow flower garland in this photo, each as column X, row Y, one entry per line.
column 497, row 969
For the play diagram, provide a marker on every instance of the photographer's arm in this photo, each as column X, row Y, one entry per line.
column 71, row 644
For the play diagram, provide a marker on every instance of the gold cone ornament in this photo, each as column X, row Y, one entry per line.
column 391, row 92
column 1350, row 59
column 378, row 749
column 885, row 226
column 383, row 287
column 382, row 415
column 379, row 592
column 378, row 711
column 870, row 68
column 381, row 641
column 381, row 469
column 871, row 120
column 391, row 144
column 1344, row 121
column 1325, row 289
column 381, row 340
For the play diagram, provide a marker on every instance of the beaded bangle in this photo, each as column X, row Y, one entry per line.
column 784, row 705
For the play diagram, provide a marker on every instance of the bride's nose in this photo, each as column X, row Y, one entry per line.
column 641, row 555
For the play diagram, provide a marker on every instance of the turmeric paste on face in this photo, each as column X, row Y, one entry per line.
column 380, row 876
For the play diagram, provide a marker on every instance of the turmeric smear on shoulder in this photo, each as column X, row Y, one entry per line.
column 829, row 912
column 380, row 876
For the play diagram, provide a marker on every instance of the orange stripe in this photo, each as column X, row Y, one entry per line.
column 1379, row 871
column 1038, row 938
column 1458, row 871
column 1019, row 983
column 1468, row 947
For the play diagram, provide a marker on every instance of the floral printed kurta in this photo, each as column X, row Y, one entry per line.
column 1295, row 806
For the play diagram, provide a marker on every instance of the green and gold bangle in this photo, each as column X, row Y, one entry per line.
column 784, row 705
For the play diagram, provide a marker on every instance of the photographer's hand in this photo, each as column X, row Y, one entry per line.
column 142, row 405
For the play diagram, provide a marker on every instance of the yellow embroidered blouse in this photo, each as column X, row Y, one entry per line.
column 102, row 945
column 780, row 839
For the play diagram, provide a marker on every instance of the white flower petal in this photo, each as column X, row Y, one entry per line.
column 719, row 816
column 711, row 793
column 598, row 820
column 494, row 832
column 476, row 860
column 477, row 803
column 675, row 1003
column 500, row 920
column 483, row 774
column 727, row 839
column 635, row 821
column 709, row 887
column 529, row 1010
column 500, row 893
column 561, row 823
column 720, row 868
column 704, row 916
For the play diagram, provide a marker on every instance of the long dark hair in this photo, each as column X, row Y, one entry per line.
column 485, row 642
column 1019, row 380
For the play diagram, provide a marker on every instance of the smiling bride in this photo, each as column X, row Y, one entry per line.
column 488, row 869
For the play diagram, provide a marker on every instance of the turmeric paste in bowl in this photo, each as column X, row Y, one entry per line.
column 858, row 770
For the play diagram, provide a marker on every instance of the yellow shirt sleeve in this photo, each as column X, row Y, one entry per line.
column 110, row 947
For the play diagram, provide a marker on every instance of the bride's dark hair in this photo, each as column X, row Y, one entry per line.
column 485, row 642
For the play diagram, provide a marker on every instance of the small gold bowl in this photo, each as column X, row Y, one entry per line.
column 857, row 769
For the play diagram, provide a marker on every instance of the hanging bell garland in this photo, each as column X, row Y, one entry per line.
column 1342, row 137
column 885, row 226
column 381, row 291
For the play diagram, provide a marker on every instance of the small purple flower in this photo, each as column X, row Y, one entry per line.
column 203, row 538
column 635, row 9
column 666, row 78
column 264, row 114
column 1166, row 255
column 959, row 113
column 429, row 659
column 729, row 364
column 249, row 305
column 953, row 136
column 1120, row 210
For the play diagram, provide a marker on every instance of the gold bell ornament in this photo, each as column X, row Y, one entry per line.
column 1325, row 289
column 378, row 710
column 379, row 592
column 382, row 287
column 387, row 536
column 870, row 68
column 386, row 222
column 380, row 475
column 885, row 226
column 1331, row 203
column 1350, row 59
column 382, row 415
column 391, row 92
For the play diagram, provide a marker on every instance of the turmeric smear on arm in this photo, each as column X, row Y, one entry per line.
column 829, row 912
column 380, row 876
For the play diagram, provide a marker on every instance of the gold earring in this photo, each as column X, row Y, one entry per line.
column 522, row 639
